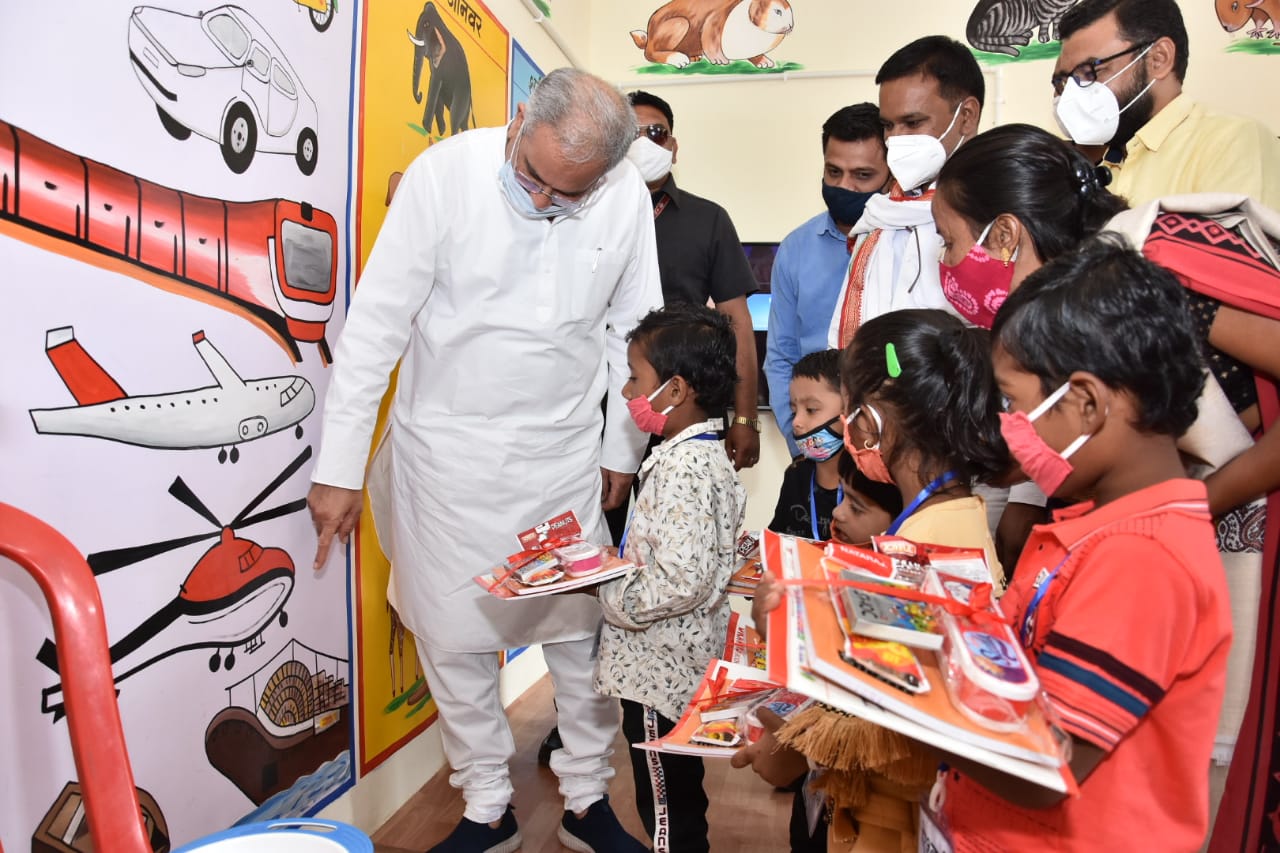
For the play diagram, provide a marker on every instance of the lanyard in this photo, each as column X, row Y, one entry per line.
column 661, row 205
column 1027, row 630
column 813, row 504
column 622, row 542
column 925, row 493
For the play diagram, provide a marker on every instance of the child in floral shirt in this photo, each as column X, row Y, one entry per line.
column 668, row 619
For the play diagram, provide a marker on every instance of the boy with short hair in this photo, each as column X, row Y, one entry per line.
column 664, row 622
column 1122, row 602
column 811, row 487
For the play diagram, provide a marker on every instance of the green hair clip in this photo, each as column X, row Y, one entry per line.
column 891, row 361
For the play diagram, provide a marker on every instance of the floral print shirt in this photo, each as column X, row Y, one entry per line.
column 667, row 619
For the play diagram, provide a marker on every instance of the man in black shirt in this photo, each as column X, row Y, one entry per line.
column 700, row 259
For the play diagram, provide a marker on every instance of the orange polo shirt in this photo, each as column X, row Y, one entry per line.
column 1130, row 642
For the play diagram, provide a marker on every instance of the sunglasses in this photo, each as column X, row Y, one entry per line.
column 656, row 133
column 1086, row 73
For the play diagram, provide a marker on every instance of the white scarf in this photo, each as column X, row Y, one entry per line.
column 870, row 286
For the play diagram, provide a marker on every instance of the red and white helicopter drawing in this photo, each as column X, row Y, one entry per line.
column 228, row 413
column 236, row 590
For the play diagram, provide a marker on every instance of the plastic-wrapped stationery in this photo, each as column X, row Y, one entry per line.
column 986, row 673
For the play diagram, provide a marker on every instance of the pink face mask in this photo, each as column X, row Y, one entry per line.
column 641, row 409
column 979, row 284
column 868, row 458
column 1046, row 467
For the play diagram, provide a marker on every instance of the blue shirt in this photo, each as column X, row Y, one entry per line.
column 807, row 276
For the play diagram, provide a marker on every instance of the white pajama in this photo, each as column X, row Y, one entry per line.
column 477, row 737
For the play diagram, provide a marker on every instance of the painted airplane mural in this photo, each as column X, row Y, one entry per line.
column 235, row 591
column 227, row 413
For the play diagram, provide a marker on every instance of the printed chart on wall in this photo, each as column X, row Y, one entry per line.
column 525, row 74
column 172, row 239
column 439, row 68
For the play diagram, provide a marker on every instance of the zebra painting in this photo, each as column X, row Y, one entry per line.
column 1003, row 26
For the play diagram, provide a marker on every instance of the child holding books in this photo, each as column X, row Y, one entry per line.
column 811, row 487
column 1121, row 602
column 923, row 414
column 924, row 418
column 668, row 619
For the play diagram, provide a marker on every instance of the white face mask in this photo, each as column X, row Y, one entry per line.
column 1090, row 114
column 653, row 161
column 917, row 158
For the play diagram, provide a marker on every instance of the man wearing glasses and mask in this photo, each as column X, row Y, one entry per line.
column 1118, row 84
column 699, row 258
column 512, row 264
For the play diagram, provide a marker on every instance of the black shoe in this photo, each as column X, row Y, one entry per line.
column 550, row 744
column 598, row 831
column 471, row 837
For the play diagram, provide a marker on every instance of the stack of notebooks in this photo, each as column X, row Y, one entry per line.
column 875, row 654
column 748, row 573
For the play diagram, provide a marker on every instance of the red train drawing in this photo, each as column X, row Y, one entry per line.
column 273, row 260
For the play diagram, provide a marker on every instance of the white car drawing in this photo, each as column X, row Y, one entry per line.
column 220, row 75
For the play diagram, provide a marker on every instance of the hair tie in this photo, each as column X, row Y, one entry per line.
column 1086, row 179
column 891, row 361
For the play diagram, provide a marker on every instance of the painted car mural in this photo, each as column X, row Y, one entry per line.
column 220, row 75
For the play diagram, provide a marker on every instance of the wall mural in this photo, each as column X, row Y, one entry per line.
column 1255, row 25
column 449, row 74
column 174, row 272
column 1001, row 31
column 715, row 37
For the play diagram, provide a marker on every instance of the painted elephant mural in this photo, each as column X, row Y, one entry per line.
column 450, row 84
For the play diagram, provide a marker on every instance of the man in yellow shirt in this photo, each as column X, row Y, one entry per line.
column 1119, row 84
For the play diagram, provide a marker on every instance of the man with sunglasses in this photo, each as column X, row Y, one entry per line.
column 510, row 268
column 700, row 258
column 1118, row 84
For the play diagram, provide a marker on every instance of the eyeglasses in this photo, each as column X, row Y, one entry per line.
column 656, row 133
column 571, row 202
column 1086, row 73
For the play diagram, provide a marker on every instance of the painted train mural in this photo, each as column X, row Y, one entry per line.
column 273, row 260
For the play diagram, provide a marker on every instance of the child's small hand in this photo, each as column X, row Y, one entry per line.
column 767, row 598
column 776, row 764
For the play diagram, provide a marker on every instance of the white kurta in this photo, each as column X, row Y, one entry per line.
column 511, row 332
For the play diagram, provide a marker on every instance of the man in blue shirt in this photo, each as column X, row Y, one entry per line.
column 813, row 259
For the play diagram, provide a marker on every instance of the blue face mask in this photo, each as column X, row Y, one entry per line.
column 821, row 443
column 520, row 199
column 846, row 206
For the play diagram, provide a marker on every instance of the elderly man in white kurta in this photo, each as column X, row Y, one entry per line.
column 511, row 266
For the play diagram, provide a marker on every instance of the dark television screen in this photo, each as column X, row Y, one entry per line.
column 760, row 257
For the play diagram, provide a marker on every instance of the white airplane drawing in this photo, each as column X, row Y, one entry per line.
column 228, row 413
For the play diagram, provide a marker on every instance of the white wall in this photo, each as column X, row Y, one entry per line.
column 754, row 146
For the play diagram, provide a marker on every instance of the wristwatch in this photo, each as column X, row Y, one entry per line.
column 754, row 423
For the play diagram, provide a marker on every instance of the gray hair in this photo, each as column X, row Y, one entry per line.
column 591, row 120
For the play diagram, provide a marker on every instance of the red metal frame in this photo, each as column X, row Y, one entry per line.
column 93, row 718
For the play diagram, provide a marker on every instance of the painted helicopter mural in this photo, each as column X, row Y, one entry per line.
column 227, row 413
column 235, row 591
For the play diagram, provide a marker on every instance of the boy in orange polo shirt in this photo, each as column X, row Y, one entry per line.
column 1122, row 601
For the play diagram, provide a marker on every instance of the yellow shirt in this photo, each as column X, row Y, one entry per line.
column 1186, row 149
column 959, row 523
